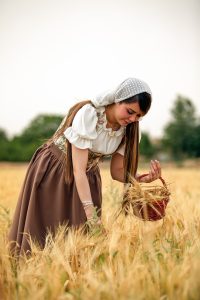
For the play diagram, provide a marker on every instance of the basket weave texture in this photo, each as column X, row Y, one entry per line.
column 146, row 203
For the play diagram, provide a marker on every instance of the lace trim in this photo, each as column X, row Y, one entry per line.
column 102, row 122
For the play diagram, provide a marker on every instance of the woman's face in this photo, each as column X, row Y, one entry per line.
column 127, row 113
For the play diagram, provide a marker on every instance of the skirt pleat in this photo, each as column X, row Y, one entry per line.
column 46, row 201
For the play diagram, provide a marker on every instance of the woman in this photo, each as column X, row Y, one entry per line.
column 63, row 183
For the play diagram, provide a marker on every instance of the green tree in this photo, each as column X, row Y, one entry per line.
column 146, row 147
column 195, row 141
column 179, row 132
column 4, row 142
column 40, row 129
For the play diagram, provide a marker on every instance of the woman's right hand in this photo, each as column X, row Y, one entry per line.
column 91, row 214
column 92, row 218
column 90, row 211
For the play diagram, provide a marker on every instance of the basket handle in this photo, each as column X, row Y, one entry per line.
column 161, row 179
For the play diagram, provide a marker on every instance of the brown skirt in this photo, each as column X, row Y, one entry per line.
column 46, row 201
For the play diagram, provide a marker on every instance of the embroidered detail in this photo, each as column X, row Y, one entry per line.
column 60, row 143
column 102, row 122
column 93, row 157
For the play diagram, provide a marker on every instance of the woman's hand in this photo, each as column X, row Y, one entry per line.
column 91, row 214
column 90, row 211
column 94, row 223
column 154, row 172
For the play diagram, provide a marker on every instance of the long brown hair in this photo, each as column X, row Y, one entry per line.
column 131, row 140
column 131, row 153
column 68, row 147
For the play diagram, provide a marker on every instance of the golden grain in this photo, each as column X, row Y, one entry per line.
column 132, row 260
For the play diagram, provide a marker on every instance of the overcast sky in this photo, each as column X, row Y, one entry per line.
column 54, row 53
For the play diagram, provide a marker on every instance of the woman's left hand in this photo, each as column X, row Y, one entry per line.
column 154, row 172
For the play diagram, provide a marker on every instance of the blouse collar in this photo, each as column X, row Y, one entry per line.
column 102, row 120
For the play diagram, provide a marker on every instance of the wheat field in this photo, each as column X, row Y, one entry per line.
column 131, row 260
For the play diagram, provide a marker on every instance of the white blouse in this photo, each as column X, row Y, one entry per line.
column 89, row 131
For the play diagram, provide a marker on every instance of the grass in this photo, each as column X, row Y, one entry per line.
column 133, row 260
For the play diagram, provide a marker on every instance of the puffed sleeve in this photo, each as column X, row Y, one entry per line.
column 121, row 149
column 83, row 129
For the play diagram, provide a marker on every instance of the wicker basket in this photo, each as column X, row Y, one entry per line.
column 148, row 211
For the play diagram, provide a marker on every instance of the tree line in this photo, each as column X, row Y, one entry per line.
column 181, row 136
